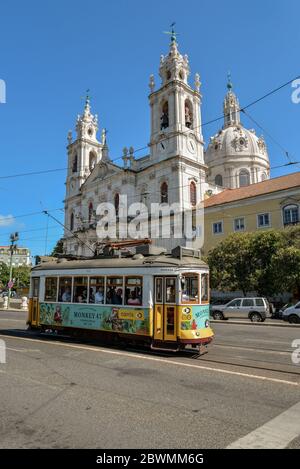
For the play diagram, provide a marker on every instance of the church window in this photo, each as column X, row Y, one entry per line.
column 168, row 75
column 165, row 116
column 72, row 221
column 92, row 160
column 188, row 112
column 244, row 178
column 181, row 75
column 164, row 196
column 91, row 212
column 117, row 203
column 74, row 165
column 290, row 214
column 219, row 180
column 193, row 193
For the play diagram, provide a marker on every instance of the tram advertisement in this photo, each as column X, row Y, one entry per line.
column 106, row 318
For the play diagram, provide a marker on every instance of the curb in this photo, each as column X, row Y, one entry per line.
column 14, row 310
column 244, row 323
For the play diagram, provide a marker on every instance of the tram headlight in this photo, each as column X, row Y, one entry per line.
column 207, row 323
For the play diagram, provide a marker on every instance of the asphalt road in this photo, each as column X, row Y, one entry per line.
column 58, row 393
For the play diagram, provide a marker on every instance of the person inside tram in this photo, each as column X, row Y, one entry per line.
column 66, row 296
column 171, row 294
column 133, row 299
column 99, row 296
column 117, row 297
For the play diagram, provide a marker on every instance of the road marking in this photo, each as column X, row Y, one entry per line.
column 275, row 434
column 12, row 320
column 234, row 347
column 155, row 359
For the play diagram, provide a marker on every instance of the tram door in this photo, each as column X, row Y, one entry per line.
column 165, row 308
column 35, row 301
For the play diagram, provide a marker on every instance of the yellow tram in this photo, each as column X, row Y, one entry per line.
column 149, row 297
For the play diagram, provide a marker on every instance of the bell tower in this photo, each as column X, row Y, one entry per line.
column 85, row 151
column 175, row 109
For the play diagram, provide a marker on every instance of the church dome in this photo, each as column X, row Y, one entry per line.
column 236, row 142
column 236, row 156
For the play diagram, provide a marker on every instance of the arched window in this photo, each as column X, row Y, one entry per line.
column 263, row 176
column 72, row 221
column 290, row 214
column 74, row 165
column 92, row 160
column 193, row 193
column 117, row 203
column 219, row 180
column 165, row 116
column 244, row 178
column 188, row 113
column 91, row 212
column 164, row 196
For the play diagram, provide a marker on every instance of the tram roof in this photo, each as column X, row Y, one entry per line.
column 125, row 262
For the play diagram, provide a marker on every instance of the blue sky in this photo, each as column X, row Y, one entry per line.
column 52, row 51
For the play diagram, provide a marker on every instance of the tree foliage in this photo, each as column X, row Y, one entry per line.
column 58, row 248
column 20, row 275
column 267, row 262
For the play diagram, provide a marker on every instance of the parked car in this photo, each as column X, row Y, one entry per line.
column 292, row 314
column 256, row 309
column 13, row 294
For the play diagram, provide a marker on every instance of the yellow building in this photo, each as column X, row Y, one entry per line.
column 273, row 203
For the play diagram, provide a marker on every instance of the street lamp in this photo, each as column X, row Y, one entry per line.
column 13, row 247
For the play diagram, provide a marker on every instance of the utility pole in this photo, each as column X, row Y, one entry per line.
column 13, row 239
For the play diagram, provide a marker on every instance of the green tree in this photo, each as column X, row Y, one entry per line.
column 58, row 248
column 4, row 275
column 286, row 268
column 231, row 264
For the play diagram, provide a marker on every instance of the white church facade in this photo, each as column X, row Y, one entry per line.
column 178, row 169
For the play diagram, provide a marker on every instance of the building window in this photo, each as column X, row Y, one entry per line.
column 290, row 214
column 74, row 166
column 92, row 160
column 193, row 193
column 117, row 203
column 72, row 221
column 239, row 224
column 263, row 177
column 188, row 113
column 164, row 196
column 244, row 178
column 91, row 212
column 219, row 180
column 217, row 227
column 263, row 220
column 164, row 120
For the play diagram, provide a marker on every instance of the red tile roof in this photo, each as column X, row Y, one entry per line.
column 260, row 188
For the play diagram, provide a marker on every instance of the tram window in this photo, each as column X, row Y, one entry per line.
column 190, row 288
column 35, row 286
column 96, row 290
column 158, row 290
column 170, row 289
column 114, row 291
column 133, row 291
column 50, row 289
column 64, row 289
column 170, row 320
column 204, row 288
column 80, row 289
